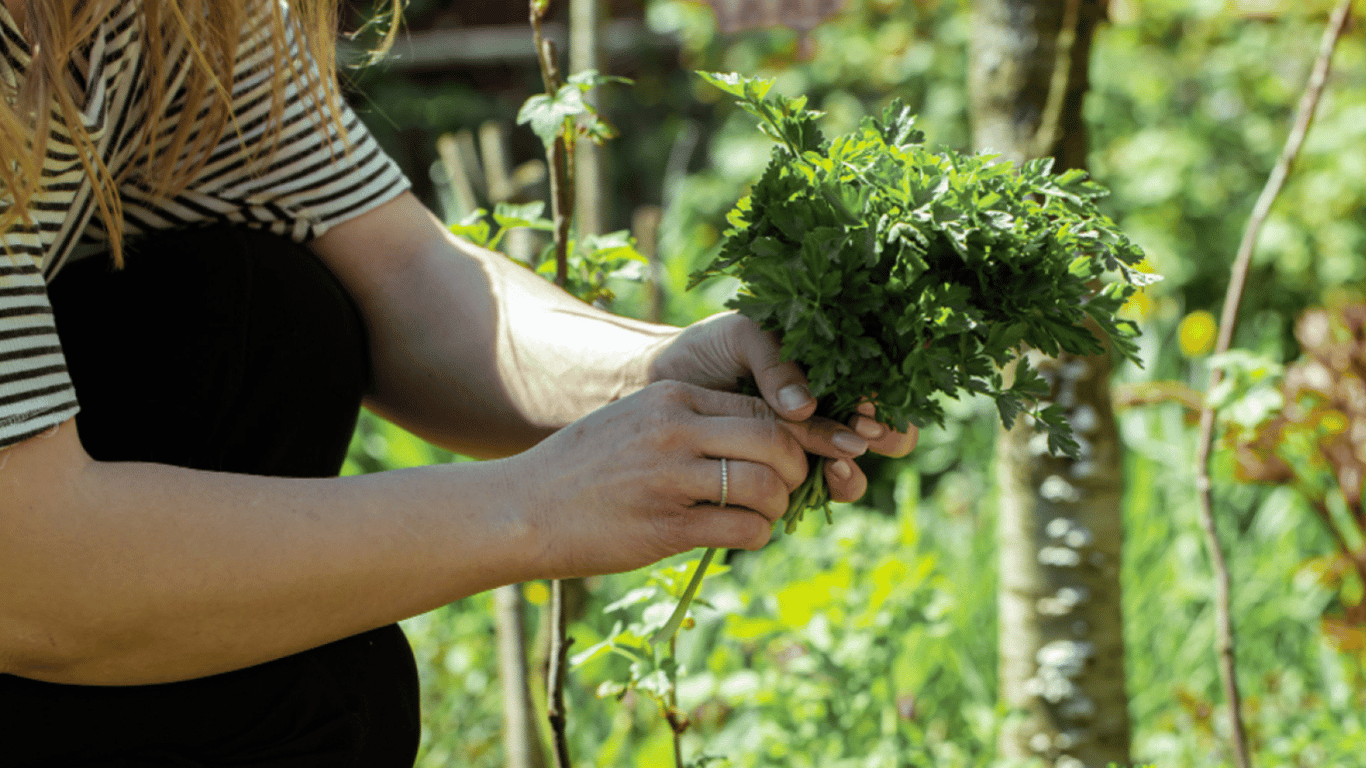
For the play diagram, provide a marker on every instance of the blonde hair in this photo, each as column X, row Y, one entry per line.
column 46, row 95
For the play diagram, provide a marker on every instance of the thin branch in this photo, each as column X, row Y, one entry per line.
column 678, row 722
column 562, row 206
column 1304, row 117
column 565, row 202
column 561, row 155
column 559, row 654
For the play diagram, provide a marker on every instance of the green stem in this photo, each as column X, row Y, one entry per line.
column 669, row 630
column 813, row 493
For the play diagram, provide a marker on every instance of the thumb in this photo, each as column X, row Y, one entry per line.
column 782, row 384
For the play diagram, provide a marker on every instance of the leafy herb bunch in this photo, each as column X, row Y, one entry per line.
column 906, row 275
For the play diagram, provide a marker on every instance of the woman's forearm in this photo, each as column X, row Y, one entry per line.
column 124, row 573
column 495, row 381
column 472, row 350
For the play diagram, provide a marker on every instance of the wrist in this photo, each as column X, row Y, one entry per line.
column 704, row 354
column 656, row 360
column 521, row 516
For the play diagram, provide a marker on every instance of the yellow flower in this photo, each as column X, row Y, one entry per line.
column 1138, row 307
column 536, row 592
column 1333, row 422
column 1196, row 333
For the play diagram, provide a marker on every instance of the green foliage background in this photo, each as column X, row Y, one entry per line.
column 872, row 642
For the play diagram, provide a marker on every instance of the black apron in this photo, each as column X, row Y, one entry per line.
column 231, row 350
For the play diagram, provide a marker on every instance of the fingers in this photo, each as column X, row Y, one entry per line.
column 749, row 486
column 768, row 454
column 882, row 439
column 828, row 438
column 755, row 442
column 782, row 384
column 821, row 436
column 845, row 480
column 714, row 352
column 728, row 528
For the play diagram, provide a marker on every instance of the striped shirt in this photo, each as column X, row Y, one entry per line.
column 313, row 178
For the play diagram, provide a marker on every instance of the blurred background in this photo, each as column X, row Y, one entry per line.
column 889, row 638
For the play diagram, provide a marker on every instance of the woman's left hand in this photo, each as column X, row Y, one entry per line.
column 720, row 350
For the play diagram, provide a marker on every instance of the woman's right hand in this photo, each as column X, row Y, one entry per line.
column 640, row 479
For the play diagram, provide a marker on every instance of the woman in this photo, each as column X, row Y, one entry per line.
column 207, row 266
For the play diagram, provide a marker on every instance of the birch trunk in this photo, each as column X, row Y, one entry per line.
column 1061, row 631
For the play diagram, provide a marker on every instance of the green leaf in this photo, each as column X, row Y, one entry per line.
column 511, row 216
column 597, row 650
column 610, row 250
column 634, row 597
column 737, row 85
column 551, row 116
column 897, row 126
column 1008, row 405
column 1028, row 383
column 547, row 115
column 474, row 228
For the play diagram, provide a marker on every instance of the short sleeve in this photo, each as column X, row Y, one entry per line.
column 312, row 174
column 35, row 389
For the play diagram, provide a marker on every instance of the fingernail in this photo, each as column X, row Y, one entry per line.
column 841, row 470
column 849, row 442
column 869, row 429
column 793, row 396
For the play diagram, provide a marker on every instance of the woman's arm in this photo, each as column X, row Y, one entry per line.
column 471, row 350
column 131, row 573
column 480, row 355
column 126, row 573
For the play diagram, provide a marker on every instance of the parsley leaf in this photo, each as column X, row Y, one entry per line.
column 906, row 275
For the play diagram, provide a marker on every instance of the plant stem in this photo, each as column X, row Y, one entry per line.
column 1233, row 298
column 811, row 494
column 670, row 629
column 677, row 725
column 562, row 202
column 559, row 653
column 561, row 155
column 562, row 192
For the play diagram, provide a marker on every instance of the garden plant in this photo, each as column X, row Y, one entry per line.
column 903, row 276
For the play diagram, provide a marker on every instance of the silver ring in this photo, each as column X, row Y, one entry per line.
column 725, row 483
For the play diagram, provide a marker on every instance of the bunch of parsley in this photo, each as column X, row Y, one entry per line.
column 903, row 275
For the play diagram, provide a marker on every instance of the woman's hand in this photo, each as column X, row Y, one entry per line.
column 718, row 351
column 641, row 479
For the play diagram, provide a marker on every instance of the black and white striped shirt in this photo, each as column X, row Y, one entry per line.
column 311, row 179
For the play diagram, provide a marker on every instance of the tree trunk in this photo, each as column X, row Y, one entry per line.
column 521, row 737
column 1061, row 632
column 585, row 52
